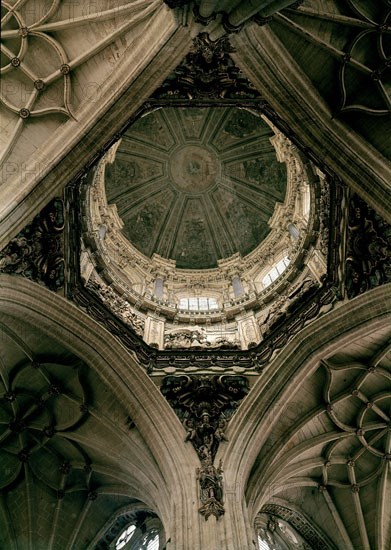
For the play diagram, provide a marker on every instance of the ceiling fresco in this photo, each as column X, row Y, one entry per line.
column 196, row 184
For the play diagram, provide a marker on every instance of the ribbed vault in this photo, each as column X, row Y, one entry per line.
column 85, row 434
column 324, row 446
column 69, row 426
column 157, row 43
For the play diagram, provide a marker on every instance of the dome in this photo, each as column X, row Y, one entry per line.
column 196, row 185
column 197, row 224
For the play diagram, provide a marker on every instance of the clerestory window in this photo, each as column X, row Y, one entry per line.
column 198, row 304
column 154, row 543
column 263, row 544
column 275, row 272
column 150, row 541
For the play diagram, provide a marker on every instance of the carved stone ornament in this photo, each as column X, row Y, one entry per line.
column 368, row 261
column 204, row 404
column 211, row 490
column 37, row 251
column 207, row 72
column 196, row 339
column 118, row 305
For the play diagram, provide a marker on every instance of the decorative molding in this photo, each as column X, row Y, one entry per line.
column 286, row 305
column 124, row 254
column 37, row 252
column 196, row 338
column 205, row 404
column 301, row 311
column 118, row 305
column 243, row 11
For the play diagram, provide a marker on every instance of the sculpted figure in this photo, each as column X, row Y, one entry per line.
column 219, row 432
column 189, row 426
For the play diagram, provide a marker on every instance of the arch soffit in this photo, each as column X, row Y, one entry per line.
column 263, row 407
column 153, row 416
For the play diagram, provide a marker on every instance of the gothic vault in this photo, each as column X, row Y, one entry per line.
column 195, row 274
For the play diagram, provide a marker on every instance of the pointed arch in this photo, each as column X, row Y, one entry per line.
column 157, row 423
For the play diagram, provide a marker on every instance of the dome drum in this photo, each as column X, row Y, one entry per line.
column 199, row 177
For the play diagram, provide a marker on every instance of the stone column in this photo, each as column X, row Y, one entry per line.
column 231, row 531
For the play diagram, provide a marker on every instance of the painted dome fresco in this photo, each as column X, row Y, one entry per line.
column 196, row 185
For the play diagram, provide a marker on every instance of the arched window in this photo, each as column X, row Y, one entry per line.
column 306, row 202
column 237, row 286
column 125, row 537
column 293, row 231
column 159, row 287
column 198, row 304
column 153, row 544
column 263, row 544
column 275, row 271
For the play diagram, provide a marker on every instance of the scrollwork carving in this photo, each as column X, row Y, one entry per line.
column 117, row 305
column 207, row 72
column 37, row 251
column 368, row 261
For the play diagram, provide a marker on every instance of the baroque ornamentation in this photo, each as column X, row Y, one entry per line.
column 368, row 257
column 205, row 404
column 211, row 490
column 324, row 231
column 207, row 72
column 177, row 360
column 196, row 339
column 286, row 305
column 103, row 230
column 118, row 305
column 37, row 251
